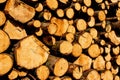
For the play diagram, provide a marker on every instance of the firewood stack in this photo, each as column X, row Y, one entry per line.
column 59, row 39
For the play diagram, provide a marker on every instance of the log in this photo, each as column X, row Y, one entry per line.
column 87, row 2
column 77, row 50
column 116, row 50
column 2, row 1
column 113, row 37
column 108, row 65
column 84, row 61
column 99, row 63
column 90, row 11
column 54, row 78
column 2, row 16
column 118, row 60
column 42, row 72
column 77, row 6
column 60, row 13
column 6, row 63
column 5, row 41
column 81, row 24
column 85, row 40
column 70, row 13
column 15, row 31
column 49, row 40
column 64, row 47
column 75, row 70
column 84, row 9
column 13, row 74
column 57, row 65
column 91, row 22
column 98, row 1
column 90, row 75
column 52, row 4
column 34, row 55
column 94, row 33
column 66, row 78
column 52, row 28
column 22, row 73
column 69, row 37
column 63, row 1
column 25, row 14
column 47, row 15
column 107, row 75
column 39, row 32
column 116, row 77
column 34, row 23
column 71, row 29
column 94, row 50
column 39, row 7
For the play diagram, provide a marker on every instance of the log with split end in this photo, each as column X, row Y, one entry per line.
column 34, row 55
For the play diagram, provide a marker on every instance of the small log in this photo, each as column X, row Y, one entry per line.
column 98, row 1
column 65, row 47
column 52, row 4
column 25, row 14
column 90, row 11
column 100, row 14
column 81, row 24
column 91, row 75
column 103, row 6
column 114, row 1
column 60, row 22
column 49, row 40
column 94, row 33
column 91, row 22
column 116, row 77
column 59, row 66
column 108, row 57
column 52, row 28
column 114, row 70
column 77, row 6
column 70, row 13
column 107, row 75
column 14, row 30
column 108, row 65
column 69, row 37
column 84, row 61
column 99, row 63
column 22, row 73
column 64, row 1
column 39, row 7
column 116, row 50
column 75, row 70
column 2, row 17
column 87, row 2
column 94, row 50
column 85, row 40
column 60, row 12
column 39, row 32
column 118, row 60
column 84, row 9
column 42, row 72
column 47, row 15
column 34, row 23
column 13, row 74
column 118, row 14
column 113, row 38
column 6, row 63
column 77, row 50
column 71, row 29
column 34, row 55
column 2, row 1
column 5, row 41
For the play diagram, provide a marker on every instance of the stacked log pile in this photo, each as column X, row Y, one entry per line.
column 59, row 39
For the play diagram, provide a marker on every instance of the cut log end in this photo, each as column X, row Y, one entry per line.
column 61, row 67
column 5, row 41
column 52, row 4
column 6, row 63
column 2, row 18
column 66, row 47
column 81, row 25
column 42, row 72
